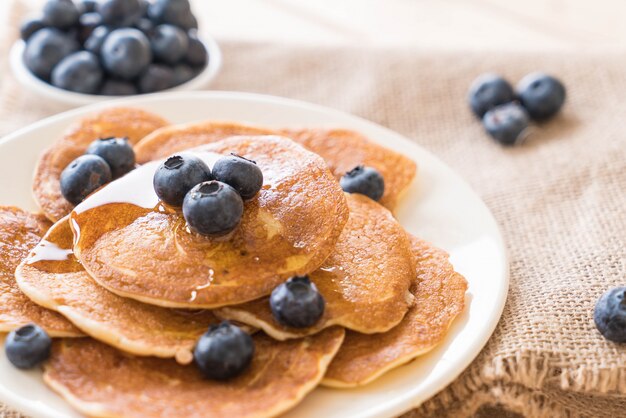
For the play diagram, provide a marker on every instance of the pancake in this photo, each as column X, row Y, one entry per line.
column 116, row 121
column 175, row 138
column 439, row 297
column 344, row 149
column 100, row 381
column 20, row 231
column 52, row 277
column 137, row 248
column 341, row 149
column 365, row 281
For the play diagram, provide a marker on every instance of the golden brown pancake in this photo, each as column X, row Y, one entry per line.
column 175, row 138
column 365, row 281
column 117, row 121
column 52, row 277
column 439, row 297
column 100, row 381
column 341, row 149
column 20, row 231
column 144, row 251
column 344, row 149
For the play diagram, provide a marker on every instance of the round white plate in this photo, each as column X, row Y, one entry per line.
column 439, row 207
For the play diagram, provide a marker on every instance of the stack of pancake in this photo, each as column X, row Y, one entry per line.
column 126, row 290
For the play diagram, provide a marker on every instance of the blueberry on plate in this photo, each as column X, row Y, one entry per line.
column 87, row 23
column 169, row 43
column 223, row 352
column 61, row 14
column 364, row 180
column 96, row 38
column 112, row 87
column 84, row 176
column 126, row 53
column 183, row 73
column 117, row 152
column 177, row 175
column 79, row 72
column 30, row 26
column 297, row 303
column 197, row 55
column 174, row 12
column 489, row 91
column 45, row 49
column 610, row 314
column 213, row 209
column 119, row 13
column 507, row 123
column 542, row 95
column 28, row 346
column 157, row 77
column 240, row 173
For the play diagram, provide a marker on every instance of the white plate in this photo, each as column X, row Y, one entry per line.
column 439, row 207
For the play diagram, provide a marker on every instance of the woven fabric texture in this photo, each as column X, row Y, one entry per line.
column 560, row 198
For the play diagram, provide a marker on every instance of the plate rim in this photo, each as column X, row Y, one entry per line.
column 405, row 401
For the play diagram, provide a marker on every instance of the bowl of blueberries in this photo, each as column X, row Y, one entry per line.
column 83, row 51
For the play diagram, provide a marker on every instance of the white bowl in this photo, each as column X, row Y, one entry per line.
column 50, row 92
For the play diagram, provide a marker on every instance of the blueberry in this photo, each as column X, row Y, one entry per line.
column 188, row 22
column 174, row 12
column 87, row 23
column 83, row 176
column 157, row 77
column 297, row 303
column 212, row 208
column 196, row 52
column 79, row 72
column 87, row 6
column 364, row 180
column 112, row 87
column 45, row 49
column 542, row 95
column 507, row 123
column 169, row 44
column 61, row 14
column 28, row 346
column 489, row 91
column 30, row 26
column 117, row 152
column 145, row 25
column 240, row 173
column 95, row 40
column 177, row 175
column 126, row 53
column 223, row 352
column 119, row 13
column 183, row 73
column 610, row 314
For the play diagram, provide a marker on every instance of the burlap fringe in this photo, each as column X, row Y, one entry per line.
column 516, row 382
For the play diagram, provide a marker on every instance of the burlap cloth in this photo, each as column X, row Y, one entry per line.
column 560, row 199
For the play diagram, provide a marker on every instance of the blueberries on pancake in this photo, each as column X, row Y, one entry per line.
column 610, row 315
column 213, row 208
column 177, row 176
column 28, row 346
column 489, row 91
column 223, row 352
column 364, row 180
column 297, row 303
column 117, row 152
column 242, row 174
column 83, row 176
column 507, row 123
column 542, row 95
